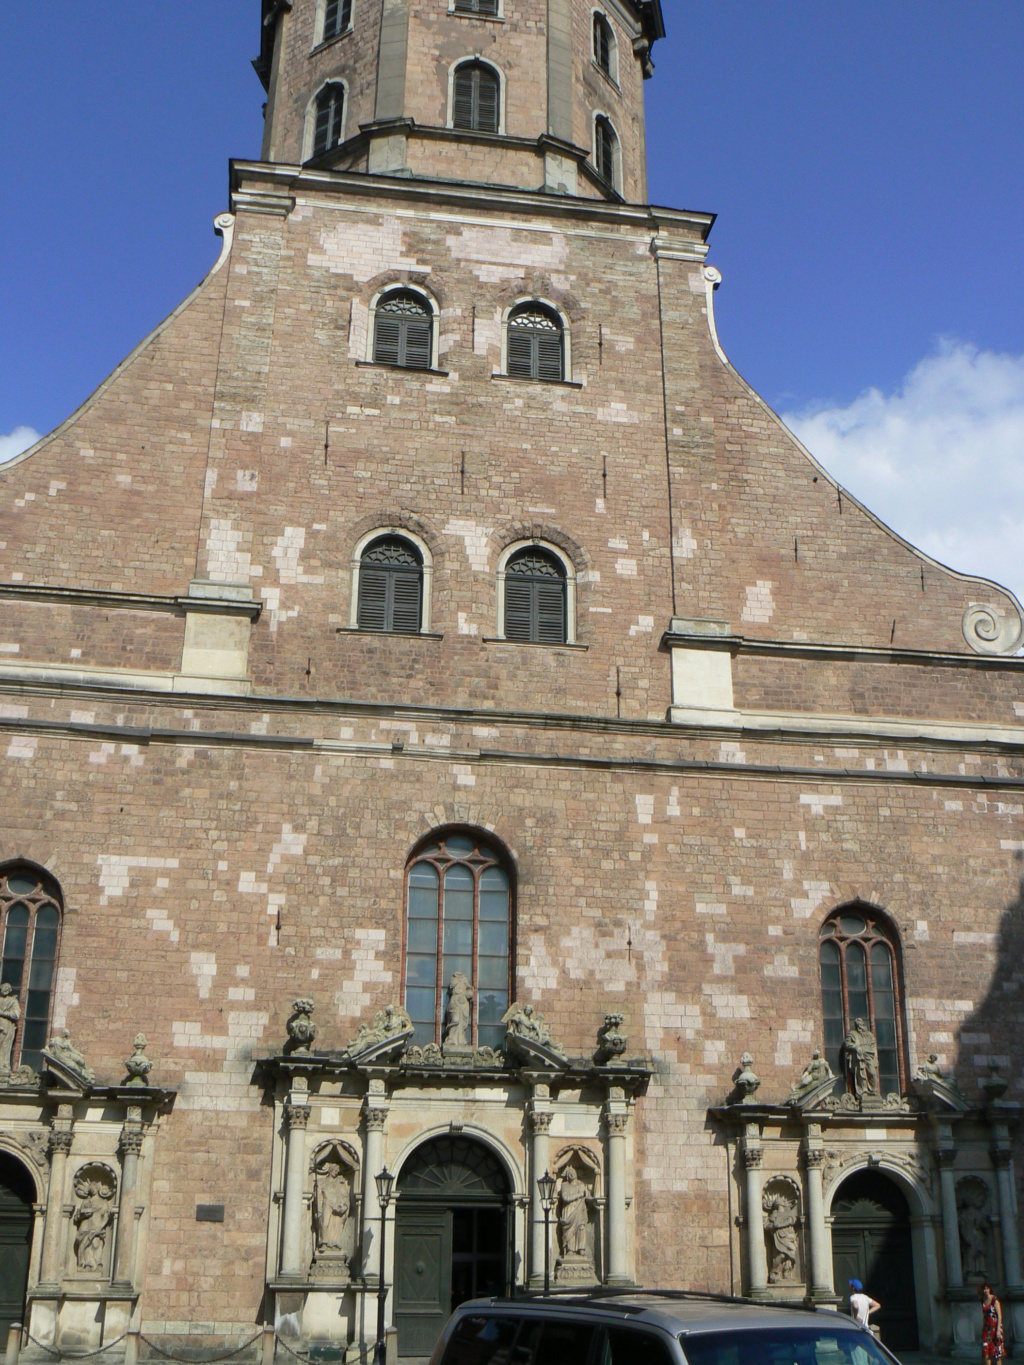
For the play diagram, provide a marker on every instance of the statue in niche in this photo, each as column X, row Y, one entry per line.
column 815, row 1073
column 780, row 1216
column 10, row 1013
column 573, row 1217
column 458, row 1012
column 92, row 1217
column 332, row 1205
column 975, row 1224
column 860, row 1052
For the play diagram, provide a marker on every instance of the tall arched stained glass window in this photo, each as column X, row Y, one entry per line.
column 860, row 980
column 458, row 920
column 30, row 911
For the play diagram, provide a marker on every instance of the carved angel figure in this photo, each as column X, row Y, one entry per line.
column 387, row 1022
column 780, row 1215
column 332, row 1206
column 861, row 1055
column 92, row 1218
column 572, row 1214
column 459, row 1011
column 63, row 1050
column 10, row 1013
column 525, row 1021
column 815, row 1073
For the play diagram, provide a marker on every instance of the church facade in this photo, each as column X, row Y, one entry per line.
column 453, row 731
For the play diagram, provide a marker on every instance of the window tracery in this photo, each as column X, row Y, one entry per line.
column 860, row 980
column 30, row 915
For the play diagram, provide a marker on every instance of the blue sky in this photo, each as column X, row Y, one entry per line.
column 864, row 159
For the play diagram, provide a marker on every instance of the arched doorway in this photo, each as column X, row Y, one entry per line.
column 871, row 1242
column 17, row 1195
column 451, row 1236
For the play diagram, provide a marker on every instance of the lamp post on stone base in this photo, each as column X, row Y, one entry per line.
column 385, row 1183
column 546, row 1187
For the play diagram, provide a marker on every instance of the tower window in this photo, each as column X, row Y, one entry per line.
column 458, row 919
column 604, row 44
column 535, row 343
column 476, row 103
column 337, row 18
column 403, row 329
column 535, row 597
column 391, row 586
column 30, row 911
column 606, row 148
column 859, row 980
column 488, row 7
column 330, row 116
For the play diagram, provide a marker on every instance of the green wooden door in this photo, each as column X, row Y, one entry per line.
column 871, row 1242
column 16, row 1196
column 423, row 1276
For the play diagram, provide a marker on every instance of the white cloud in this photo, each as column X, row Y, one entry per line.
column 941, row 460
column 20, row 439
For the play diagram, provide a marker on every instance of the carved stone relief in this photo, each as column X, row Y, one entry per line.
column 780, row 1203
column 577, row 1170
column 93, row 1215
column 973, row 1201
column 335, row 1168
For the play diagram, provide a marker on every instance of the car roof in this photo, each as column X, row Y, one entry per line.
column 678, row 1314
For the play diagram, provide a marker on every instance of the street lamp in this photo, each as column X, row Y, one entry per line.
column 546, row 1187
column 385, row 1183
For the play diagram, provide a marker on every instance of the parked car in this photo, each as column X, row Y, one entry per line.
column 649, row 1328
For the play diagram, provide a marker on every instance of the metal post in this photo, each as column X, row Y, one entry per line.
column 547, row 1249
column 385, row 1183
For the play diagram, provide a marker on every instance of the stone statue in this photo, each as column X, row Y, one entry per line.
column 528, row 1037
column 459, row 1011
column 815, row 1073
column 92, row 1216
column 138, row 1066
column 860, row 1053
column 572, row 1214
column 611, row 1041
column 780, row 1215
column 388, row 1022
column 301, row 1028
column 974, row 1221
column 61, row 1049
column 745, row 1080
column 10, row 1013
column 931, row 1071
column 331, row 1206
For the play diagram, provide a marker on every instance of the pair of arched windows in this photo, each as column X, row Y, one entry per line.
column 30, row 921
column 391, row 596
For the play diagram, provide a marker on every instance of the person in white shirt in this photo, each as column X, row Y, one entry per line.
column 862, row 1305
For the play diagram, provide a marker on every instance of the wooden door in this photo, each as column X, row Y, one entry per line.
column 423, row 1276
column 871, row 1242
column 16, row 1196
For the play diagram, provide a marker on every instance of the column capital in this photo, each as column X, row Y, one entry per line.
column 60, row 1140
column 1002, row 1158
column 540, row 1120
column 296, row 1115
column 131, row 1140
column 945, row 1157
column 375, row 1118
column 617, row 1123
column 815, row 1158
column 753, row 1157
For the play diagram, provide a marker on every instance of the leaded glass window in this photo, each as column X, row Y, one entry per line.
column 859, row 980
column 458, row 919
column 391, row 586
column 30, row 918
column 535, row 597
column 535, row 343
column 330, row 117
column 403, row 329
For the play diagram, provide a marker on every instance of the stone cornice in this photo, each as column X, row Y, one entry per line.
column 810, row 649
column 221, row 605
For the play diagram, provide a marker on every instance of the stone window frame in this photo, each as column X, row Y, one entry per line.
column 426, row 558
column 549, row 304
column 884, row 931
column 405, row 287
column 320, row 20
column 602, row 116
column 476, row 59
column 612, row 71
column 570, row 588
column 48, row 894
column 309, row 122
column 500, row 857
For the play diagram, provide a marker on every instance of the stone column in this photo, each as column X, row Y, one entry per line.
column 540, row 1127
column 757, row 1257
column 945, row 1156
column 50, row 1270
column 821, row 1271
column 617, row 1123
column 1002, row 1157
column 296, row 1116
column 374, row 1118
column 131, row 1146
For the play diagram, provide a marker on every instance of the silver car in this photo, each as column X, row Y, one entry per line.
column 651, row 1329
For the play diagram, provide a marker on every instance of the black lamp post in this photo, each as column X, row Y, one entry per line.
column 546, row 1186
column 385, row 1183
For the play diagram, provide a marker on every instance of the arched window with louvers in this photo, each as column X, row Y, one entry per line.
column 535, row 343
column 536, row 596
column 328, row 126
column 476, row 98
column 31, row 911
column 403, row 330
column 606, row 151
column 605, row 53
column 858, row 955
column 389, row 592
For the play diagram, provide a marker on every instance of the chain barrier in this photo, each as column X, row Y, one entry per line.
column 205, row 1360
column 306, row 1360
column 75, row 1355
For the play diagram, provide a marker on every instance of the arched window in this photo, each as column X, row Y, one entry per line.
column 337, row 18
column 403, row 329
column 330, row 116
column 860, row 980
column 606, row 149
column 535, row 597
column 30, row 916
column 604, row 45
column 535, row 343
column 476, row 99
column 458, row 919
column 391, row 586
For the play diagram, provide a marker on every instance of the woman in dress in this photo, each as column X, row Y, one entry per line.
column 992, row 1347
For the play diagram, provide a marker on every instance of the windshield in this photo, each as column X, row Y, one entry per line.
column 825, row 1345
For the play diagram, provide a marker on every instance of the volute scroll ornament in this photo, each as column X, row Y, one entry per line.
column 990, row 630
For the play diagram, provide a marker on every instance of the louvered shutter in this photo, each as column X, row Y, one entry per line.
column 549, row 355
column 417, row 343
column 406, row 603
column 520, row 353
column 487, row 101
column 550, row 613
column 373, row 598
column 518, row 613
column 462, row 104
column 387, row 337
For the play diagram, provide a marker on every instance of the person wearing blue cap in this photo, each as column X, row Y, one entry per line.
column 862, row 1305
